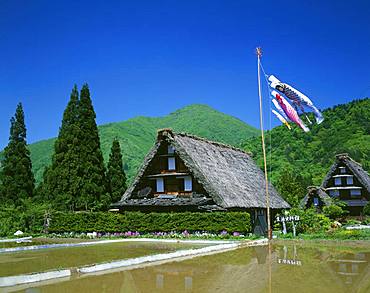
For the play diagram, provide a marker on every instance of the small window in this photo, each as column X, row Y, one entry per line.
column 159, row 281
column 188, row 283
column 349, row 180
column 355, row 192
column 334, row 193
column 160, row 185
column 171, row 149
column 188, row 184
column 315, row 201
column 171, row 163
column 343, row 267
column 338, row 181
column 342, row 170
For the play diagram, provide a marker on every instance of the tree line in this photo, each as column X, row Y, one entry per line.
column 77, row 178
column 297, row 159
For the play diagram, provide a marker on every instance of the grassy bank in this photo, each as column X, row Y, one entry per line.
column 340, row 234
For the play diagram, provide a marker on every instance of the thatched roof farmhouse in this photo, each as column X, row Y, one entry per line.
column 317, row 197
column 183, row 172
column 346, row 181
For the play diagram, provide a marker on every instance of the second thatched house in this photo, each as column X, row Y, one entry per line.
column 186, row 173
column 346, row 181
column 316, row 197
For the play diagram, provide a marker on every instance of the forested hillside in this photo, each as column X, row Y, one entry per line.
column 306, row 157
column 137, row 135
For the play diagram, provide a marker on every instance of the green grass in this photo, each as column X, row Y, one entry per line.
column 337, row 234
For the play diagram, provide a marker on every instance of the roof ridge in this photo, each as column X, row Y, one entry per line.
column 345, row 156
column 353, row 161
column 170, row 133
column 216, row 143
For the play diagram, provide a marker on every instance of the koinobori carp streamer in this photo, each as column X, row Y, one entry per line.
column 289, row 111
column 298, row 98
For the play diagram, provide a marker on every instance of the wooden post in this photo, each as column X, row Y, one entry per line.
column 269, row 231
column 284, row 228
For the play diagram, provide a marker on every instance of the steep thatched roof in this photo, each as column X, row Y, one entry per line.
column 229, row 175
column 356, row 169
column 316, row 191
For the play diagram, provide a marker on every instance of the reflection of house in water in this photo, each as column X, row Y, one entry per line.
column 215, row 273
column 351, row 268
column 165, row 275
column 324, row 269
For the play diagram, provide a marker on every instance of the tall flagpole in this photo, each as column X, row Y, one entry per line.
column 269, row 232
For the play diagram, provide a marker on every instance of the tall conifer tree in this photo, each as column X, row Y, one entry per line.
column 116, row 176
column 61, row 179
column 16, row 174
column 93, row 187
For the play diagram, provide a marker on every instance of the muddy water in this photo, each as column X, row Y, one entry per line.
column 288, row 268
column 25, row 262
column 41, row 241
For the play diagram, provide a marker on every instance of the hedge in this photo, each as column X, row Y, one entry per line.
column 149, row 222
column 29, row 219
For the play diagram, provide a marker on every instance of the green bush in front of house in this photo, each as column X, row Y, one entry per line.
column 310, row 221
column 366, row 210
column 149, row 222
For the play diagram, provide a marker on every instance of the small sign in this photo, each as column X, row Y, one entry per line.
column 287, row 218
column 284, row 219
column 292, row 262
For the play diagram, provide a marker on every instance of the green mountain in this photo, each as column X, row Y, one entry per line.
column 346, row 129
column 137, row 135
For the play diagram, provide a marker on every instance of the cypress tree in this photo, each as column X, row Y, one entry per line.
column 93, row 187
column 61, row 179
column 116, row 176
column 16, row 174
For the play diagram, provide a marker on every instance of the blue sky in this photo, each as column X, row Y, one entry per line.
column 152, row 57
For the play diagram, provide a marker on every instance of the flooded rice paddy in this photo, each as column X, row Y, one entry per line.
column 282, row 268
column 29, row 241
column 40, row 260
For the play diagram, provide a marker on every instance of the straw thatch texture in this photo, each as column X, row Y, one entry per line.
column 320, row 193
column 229, row 175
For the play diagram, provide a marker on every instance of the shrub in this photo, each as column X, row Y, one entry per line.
column 366, row 221
column 150, row 222
column 366, row 210
column 310, row 221
column 334, row 211
column 27, row 217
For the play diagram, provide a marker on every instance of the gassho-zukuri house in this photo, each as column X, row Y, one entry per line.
column 346, row 181
column 186, row 173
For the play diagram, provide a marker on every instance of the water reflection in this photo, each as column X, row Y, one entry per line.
column 289, row 268
column 351, row 268
column 289, row 259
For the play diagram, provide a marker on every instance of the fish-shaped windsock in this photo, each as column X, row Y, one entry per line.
column 289, row 111
column 280, row 110
column 296, row 97
column 282, row 119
